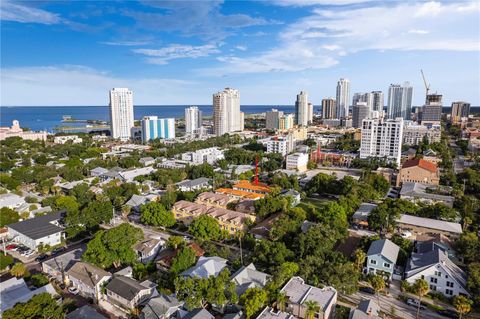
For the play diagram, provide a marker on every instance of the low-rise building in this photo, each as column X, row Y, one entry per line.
column 98, row 171
column 11, row 200
column 294, row 195
column 229, row 220
column 367, row 309
column 58, row 266
column 161, row 307
column 129, row 175
column 16, row 131
column 206, row 267
column 74, row 139
column 148, row 249
column 214, row 199
column 360, row 217
column 193, row 185
column 15, row 290
column 127, row 293
column 423, row 226
column 422, row 193
column 147, row 161
column 414, row 134
column 271, row 313
column 419, row 171
column 249, row 277
column 136, row 201
column 247, row 186
column 88, row 279
column 239, row 194
column 439, row 271
column 41, row 230
column 297, row 161
column 84, row 312
column 207, row 155
column 382, row 257
column 298, row 292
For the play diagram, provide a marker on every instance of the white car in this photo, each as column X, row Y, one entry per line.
column 26, row 252
column 29, row 253
column 407, row 234
column 73, row 290
column 414, row 303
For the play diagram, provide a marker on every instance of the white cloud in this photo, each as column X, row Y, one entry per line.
column 10, row 11
column 78, row 85
column 302, row 3
column 177, row 51
column 241, row 47
column 418, row 31
column 125, row 43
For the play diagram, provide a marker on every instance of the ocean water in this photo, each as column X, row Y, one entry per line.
column 47, row 117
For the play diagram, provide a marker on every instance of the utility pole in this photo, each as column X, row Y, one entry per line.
column 241, row 252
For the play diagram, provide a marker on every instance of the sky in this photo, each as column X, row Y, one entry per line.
column 63, row 53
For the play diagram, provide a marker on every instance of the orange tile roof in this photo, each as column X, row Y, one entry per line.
column 239, row 193
column 254, row 187
column 429, row 166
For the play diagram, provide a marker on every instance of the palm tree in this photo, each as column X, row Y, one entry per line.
column 420, row 287
column 281, row 301
column 378, row 284
column 359, row 256
column 312, row 309
column 462, row 304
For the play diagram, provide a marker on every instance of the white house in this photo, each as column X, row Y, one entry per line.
column 64, row 139
column 128, row 176
column 148, row 249
column 88, row 279
column 297, row 161
column 206, row 267
column 11, row 200
column 195, row 184
column 147, row 161
column 45, row 230
column 438, row 270
column 14, row 290
column 206, row 155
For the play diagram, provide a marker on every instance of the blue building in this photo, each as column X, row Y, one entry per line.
column 382, row 257
column 153, row 127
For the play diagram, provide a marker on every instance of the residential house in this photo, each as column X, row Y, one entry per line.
column 263, row 228
column 147, row 161
column 252, row 187
column 423, row 193
column 425, row 242
column 199, row 313
column 246, row 206
column 229, row 220
column 214, row 199
column 84, row 312
column 207, row 155
column 237, row 194
column 113, row 173
column 129, row 175
column 360, row 217
column 298, row 292
column 271, row 313
column 127, row 293
column 41, row 230
column 161, row 307
column 57, row 266
column 41, row 211
column 74, row 139
column 148, row 249
column 294, row 195
column 438, row 270
column 98, row 171
column 367, row 309
column 249, row 277
column 192, row 185
column 11, row 200
column 206, row 267
column 419, row 171
column 15, row 290
column 88, row 279
column 136, row 201
column 420, row 225
column 165, row 257
column 382, row 257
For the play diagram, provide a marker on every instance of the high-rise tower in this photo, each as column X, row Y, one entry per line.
column 343, row 98
column 121, row 113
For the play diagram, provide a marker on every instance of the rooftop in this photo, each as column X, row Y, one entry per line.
column 249, row 186
column 87, row 273
column 206, row 267
column 363, row 211
column 249, row 277
column 239, row 193
column 39, row 227
column 127, row 287
column 85, row 312
column 14, row 290
column 432, row 167
column 297, row 291
column 384, row 247
column 270, row 313
column 455, row 228
column 193, row 183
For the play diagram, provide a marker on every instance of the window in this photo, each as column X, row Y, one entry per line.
column 423, row 277
column 373, row 262
column 433, row 287
column 449, row 292
column 386, row 265
column 438, row 273
column 450, row 284
column 434, row 280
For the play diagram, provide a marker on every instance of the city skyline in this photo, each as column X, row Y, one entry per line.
column 268, row 51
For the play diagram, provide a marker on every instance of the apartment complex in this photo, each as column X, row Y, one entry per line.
column 153, row 128
column 227, row 116
column 329, row 109
column 360, row 111
column 302, row 109
column 343, row 98
column 286, row 122
column 229, row 220
column 297, row 161
column 282, row 145
column 193, row 119
column 16, row 131
column 414, row 133
column 272, row 119
column 121, row 113
column 459, row 110
column 382, row 139
column 400, row 101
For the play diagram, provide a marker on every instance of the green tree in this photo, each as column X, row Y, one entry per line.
column 253, row 300
column 39, row 306
column 69, row 203
column 359, row 257
column 205, row 227
column 420, row 288
column 97, row 212
column 312, row 308
column 175, row 242
column 113, row 247
column 378, row 284
column 462, row 304
column 39, row 280
column 155, row 214
column 270, row 254
column 5, row 261
column 473, row 282
column 8, row 216
column 468, row 245
column 19, row 270
column 184, row 259
column 384, row 216
column 281, row 301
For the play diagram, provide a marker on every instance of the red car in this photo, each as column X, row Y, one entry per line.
column 10, row 247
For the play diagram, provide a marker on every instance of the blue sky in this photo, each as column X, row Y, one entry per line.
column 181, row 52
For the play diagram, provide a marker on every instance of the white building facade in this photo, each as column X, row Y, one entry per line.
column 400, row 101
column 301, row 109
column 297, row 161
column 382, row 139
column 193, row 119
column 121, row 113
column 153, row 127
column 413, row 133
column 227, row 116
column 343, row 98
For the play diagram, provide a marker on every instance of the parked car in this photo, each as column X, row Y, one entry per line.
column 73, row 290
column 58, row 250
column 41, row 258
column 11, row 247
column 449, row 313
column 406, row 234
column 367, row 290
column 29, row 253
column 414, row 303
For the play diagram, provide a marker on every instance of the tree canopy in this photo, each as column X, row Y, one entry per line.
column 205, row 227
column 155, row 214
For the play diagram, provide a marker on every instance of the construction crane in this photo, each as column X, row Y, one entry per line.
column 427, row 86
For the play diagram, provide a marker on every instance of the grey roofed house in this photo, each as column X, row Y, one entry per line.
column 90, row 275
column 249, row 277
column 147, row 160
column 97, row 171
column 46, row 210
column 421, row 261
column 191, row 184
column 234, row 315
column 85, row 312
column 419, row 190
column 136, row 201
column 363, row 211
column 367, row 309
column 386, row 248
column 429, row 223
column 270, row 313
column 39, row 227
column 297, row 291
column 206, row 267
column 113, row 173
column 199, row 313
column 14, row 290
column 161, row 307
column 128, row 288
column 58, row 265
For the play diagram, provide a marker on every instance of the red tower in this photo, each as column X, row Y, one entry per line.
column 255, row 180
